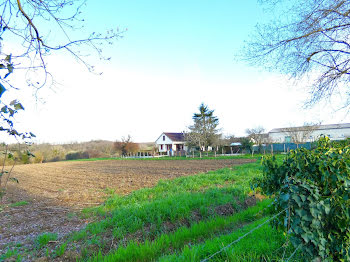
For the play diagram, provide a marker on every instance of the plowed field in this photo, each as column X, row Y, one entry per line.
column 85, row 183
column 53, row 190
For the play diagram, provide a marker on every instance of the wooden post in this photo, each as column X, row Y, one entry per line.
column 271, row 149
column 215, row 154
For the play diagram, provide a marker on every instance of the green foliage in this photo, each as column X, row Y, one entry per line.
column 18, row 204
column 314, row 186
column 149, row 251
column 204, row 131
column 148, row 210
column 261, row 245
column 61, row 249
column 247, row 144
column 237, row 177
column 43, row 239
column 12, row 254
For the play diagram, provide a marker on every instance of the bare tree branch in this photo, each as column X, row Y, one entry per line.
column 310, row 39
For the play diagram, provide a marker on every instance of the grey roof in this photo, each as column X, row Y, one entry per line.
column 320, row 127
column 176, row 137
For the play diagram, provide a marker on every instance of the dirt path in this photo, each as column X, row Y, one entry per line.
column 56, row 191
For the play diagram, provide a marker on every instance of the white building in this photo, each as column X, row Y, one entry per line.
column 168, row 143
column 334, row 132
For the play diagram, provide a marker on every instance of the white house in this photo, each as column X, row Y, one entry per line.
column 168, row 143
column 334, row 132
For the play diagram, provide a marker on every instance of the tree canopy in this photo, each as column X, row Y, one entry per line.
column 204, row 131
column 306, row 40
column 126, row 146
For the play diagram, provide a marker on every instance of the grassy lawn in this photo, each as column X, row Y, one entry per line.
column 185, row 219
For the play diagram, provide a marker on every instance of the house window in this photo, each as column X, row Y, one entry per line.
column 163, row 138
column 161, row 147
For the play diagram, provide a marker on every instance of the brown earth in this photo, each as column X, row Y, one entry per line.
column 56, row 191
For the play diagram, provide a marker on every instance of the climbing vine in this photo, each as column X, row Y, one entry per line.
column 314, row 187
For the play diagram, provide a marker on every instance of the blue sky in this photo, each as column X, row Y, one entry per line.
column 173, row 56
column 176, row 34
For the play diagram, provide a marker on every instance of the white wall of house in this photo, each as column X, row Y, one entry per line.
column 162, row 143
column 165, row 144
column 333, row 134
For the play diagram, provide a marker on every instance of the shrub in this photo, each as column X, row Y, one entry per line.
column 94, row 153
column 313, row 187
column 39, row 157
column 77, row 155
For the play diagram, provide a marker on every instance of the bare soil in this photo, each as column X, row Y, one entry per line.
column 55, row 192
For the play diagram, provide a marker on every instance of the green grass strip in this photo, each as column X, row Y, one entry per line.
column 264, row 244
column 18, row 204
column 129, row 219
column 171, row 200
column 239, row 175
column 150, row 250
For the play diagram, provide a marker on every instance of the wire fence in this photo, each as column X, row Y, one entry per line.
column 248, row 233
